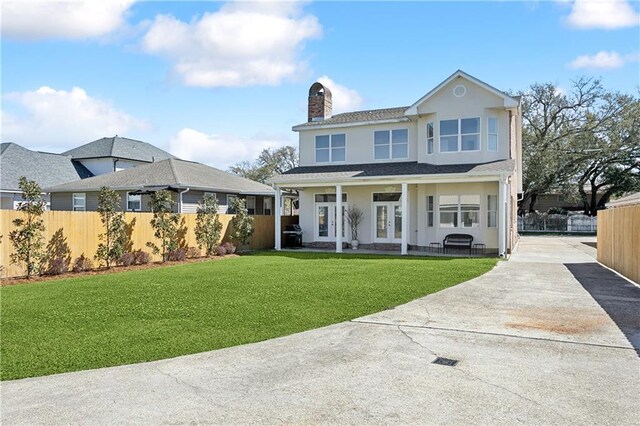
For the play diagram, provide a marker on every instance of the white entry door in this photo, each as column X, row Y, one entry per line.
column 325, row 221
column 387, row 218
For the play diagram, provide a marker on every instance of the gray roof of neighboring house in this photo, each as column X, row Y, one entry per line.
column 172, row 172
column 47, row 169
column 405, row 168
column 118, row 147
column 397, row 113
column 629, row 200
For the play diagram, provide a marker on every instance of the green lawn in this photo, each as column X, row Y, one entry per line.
column 128, row 317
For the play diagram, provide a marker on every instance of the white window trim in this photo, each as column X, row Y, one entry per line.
column 268, row 200
column 489, row 211
column 459, row 211
column 433, row 138
column 246, row 200
column 432, row 211
column 331, row 160
column 460, row 134
column 390, row 157
column 134, row 210
column 83, row 197
column 496, row 133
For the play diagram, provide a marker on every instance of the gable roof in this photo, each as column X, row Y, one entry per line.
column 171, row 172
column 47, row 169
column 378, row 115
column 118, row 147
column 509, row 102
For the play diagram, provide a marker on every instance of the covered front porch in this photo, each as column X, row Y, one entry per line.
column 403, row 216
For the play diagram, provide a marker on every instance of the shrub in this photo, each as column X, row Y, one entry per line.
column 208, row 226
column 57, row 266
column 141, row 257
column 127, row 259
column 177, row 255
column 82, row 263
column 193, row 252
column 229, row 247
column 221, row 250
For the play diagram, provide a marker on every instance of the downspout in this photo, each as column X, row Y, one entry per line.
column 180, row 201
column 114, row 164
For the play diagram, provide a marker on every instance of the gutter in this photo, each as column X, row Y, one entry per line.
column 180, row 205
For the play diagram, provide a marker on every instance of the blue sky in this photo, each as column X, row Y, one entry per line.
column 217, row 82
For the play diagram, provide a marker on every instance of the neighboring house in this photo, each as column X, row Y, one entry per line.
column 108, row 155
column 629, row 200
column 449, row 163
column 188, row 181
column 46, row 169
column 547, row 201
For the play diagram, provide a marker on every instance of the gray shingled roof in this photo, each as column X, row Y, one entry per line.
column 172, row 172
column 360, row 117
column 118, row 147
column 405, row 168
column 45, row 168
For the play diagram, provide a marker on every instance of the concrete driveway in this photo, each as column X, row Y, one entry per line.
column 549, row 337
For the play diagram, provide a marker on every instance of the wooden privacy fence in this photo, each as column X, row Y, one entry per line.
column 80, row 231
column 619, row 240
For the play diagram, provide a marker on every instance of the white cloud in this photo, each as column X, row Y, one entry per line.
column 71, row 19
column 604, row 14
column 221, row 151
column 602, row 60
column 343, row 99
column 57, row 120
column 242, row 44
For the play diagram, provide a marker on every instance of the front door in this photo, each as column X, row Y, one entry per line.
column 325, row 226
column 387, row 220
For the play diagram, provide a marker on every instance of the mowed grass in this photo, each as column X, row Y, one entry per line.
column 129, row 317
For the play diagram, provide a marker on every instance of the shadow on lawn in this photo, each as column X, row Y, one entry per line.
column 305, row 255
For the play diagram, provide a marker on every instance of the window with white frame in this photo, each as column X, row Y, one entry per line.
column 459, row 211
column 331, row 148
column 492, row 209
column 79, row 202
column 267, row 205
column 251, row 204
column 392, row 144
column 492, row 134
column 430, row 137
column 230, row 209
column 460, row 135
column 134, row 202
column 430, row 207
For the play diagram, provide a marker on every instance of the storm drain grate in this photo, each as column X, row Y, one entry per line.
column 445, row 361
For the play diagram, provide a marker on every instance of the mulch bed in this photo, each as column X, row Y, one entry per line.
column 114, row 269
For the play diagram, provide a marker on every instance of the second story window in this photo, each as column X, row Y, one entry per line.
column 460, row 135
column 492, row 134
column 331, row 148
column 392, row 144
column 430, row 137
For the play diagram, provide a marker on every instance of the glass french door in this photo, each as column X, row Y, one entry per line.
column 387, row 222
column 326, row 217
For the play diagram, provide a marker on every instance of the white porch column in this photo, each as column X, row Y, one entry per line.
column 405, row 219
column 502, row 217
column 338, row 218
column 278, row 218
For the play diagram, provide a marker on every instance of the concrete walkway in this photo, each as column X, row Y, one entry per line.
column 548, row 337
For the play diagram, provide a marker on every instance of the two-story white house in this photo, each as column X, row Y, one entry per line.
column 450, row 163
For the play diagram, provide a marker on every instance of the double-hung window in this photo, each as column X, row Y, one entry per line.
column 492, row 209
column 392, row 144
column 79, row 202
column 459, row 211
column 267, row 203
column 230, row 199
column 430, row 207
column 460, row 135
column 331, row 148
column 134, row 202
column 430, row 137
column 492, row 134
column 251, row 204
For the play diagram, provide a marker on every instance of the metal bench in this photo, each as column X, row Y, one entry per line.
column 457, row 240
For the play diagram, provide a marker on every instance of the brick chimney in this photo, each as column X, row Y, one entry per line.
column 319, row 102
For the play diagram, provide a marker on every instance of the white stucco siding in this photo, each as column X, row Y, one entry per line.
column 359, row 142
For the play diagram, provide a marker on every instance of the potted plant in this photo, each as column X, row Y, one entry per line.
column 354, row 218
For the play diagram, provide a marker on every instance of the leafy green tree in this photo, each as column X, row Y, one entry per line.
column 114, row 237
column 28, row 236
column 165, row 223
column 269, row 163
column 208, row 226
column 241, row 223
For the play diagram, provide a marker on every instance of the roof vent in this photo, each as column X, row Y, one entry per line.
column 448, row 362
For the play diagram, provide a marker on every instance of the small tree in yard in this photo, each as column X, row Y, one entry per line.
column 242, row 223
column 208, row 226
column 114, row 237
column 28, row 238
column 165, row 222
